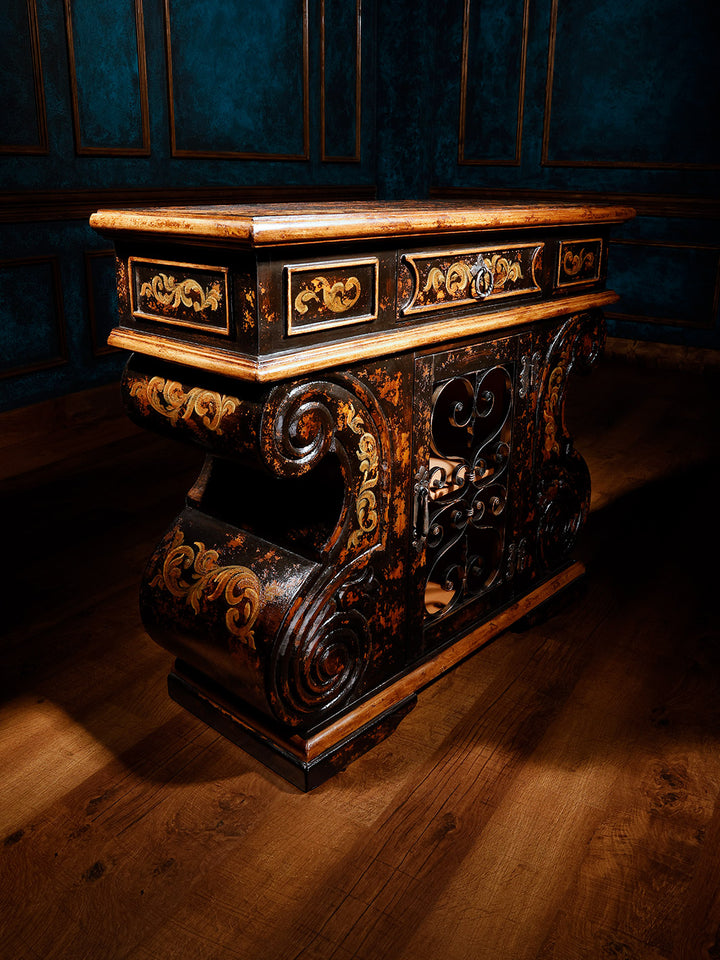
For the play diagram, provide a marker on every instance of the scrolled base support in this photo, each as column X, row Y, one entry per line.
column 305, row 762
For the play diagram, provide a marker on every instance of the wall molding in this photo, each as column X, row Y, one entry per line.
column 40, row 148
column 26, row 206
column 704, row 324
column 325, row 157
column 61, row 358
column 98, row 151
column 99, row 348
column 242, row 154
column 646, row 204
column 490, row 161
column 545, row 159
column 648, row 353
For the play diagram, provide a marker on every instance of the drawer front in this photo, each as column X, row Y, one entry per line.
column 579, row 261
column 444, row 280
column 181, row 294
column 331, row 294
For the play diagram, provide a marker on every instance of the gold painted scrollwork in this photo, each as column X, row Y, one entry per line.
column 551, row 411
column 573, row 263
column 338, row 296
column 503, row 270
column 367, row 454
column 168, row 398
column 191, row 573
column 166, row 291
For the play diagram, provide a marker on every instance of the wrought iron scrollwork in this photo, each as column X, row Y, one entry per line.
column 461, row 497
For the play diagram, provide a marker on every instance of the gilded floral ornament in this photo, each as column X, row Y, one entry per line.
column 573, row 263
column 504, row 271
column 166, row 291
column 367, row 454
column 337, row 297
column 192, row 573
column 169, row 398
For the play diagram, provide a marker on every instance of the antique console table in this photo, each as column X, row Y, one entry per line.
column 388, row 482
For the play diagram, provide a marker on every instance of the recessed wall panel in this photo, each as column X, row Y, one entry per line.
column 665, row 283
column 341, row 73
column 22, row 116
column 32, row 328
column 493, row 81
column 238, row 77
column 101, row 284
column 622, row 90
column 107, row 66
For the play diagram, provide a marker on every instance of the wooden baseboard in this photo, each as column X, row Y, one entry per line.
column 646, row 353
column 44, row 433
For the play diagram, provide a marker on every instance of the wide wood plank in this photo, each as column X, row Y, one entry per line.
column 555, row 797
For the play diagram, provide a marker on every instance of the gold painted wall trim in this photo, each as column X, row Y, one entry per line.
column 311, row 359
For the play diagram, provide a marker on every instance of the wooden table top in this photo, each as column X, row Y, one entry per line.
column 257, row 225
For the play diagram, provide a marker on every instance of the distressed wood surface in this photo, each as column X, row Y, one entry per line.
column 556, row 796
column 260, row 224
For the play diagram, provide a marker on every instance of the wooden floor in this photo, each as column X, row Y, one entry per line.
column 556, row 796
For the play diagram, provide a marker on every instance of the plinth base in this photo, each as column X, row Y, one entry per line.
column 302, row 762
column 308, row 762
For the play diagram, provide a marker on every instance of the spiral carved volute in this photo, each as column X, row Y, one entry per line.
column 321, row 654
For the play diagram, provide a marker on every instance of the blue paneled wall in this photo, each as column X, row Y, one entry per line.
column 112, row 102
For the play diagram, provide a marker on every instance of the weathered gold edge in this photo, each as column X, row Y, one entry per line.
column 460, row 251
column 137, row 312
column 310, row 359
column 294, row 228
column 293, row 331
column 566, row 243
column 310, row 267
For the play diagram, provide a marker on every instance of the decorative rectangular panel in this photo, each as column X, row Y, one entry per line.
column 110, row 97
column 182, row 294
column 239, row 77
column 579, row 261
column 492, row 83
column 672, row 284
column 458, row 278
column 341, row 74
column 633, row 84
column 23, row 126
column 102, row 302
column 32, row 323
column 323, row 296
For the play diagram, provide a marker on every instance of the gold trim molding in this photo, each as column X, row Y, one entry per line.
column 294, row 363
